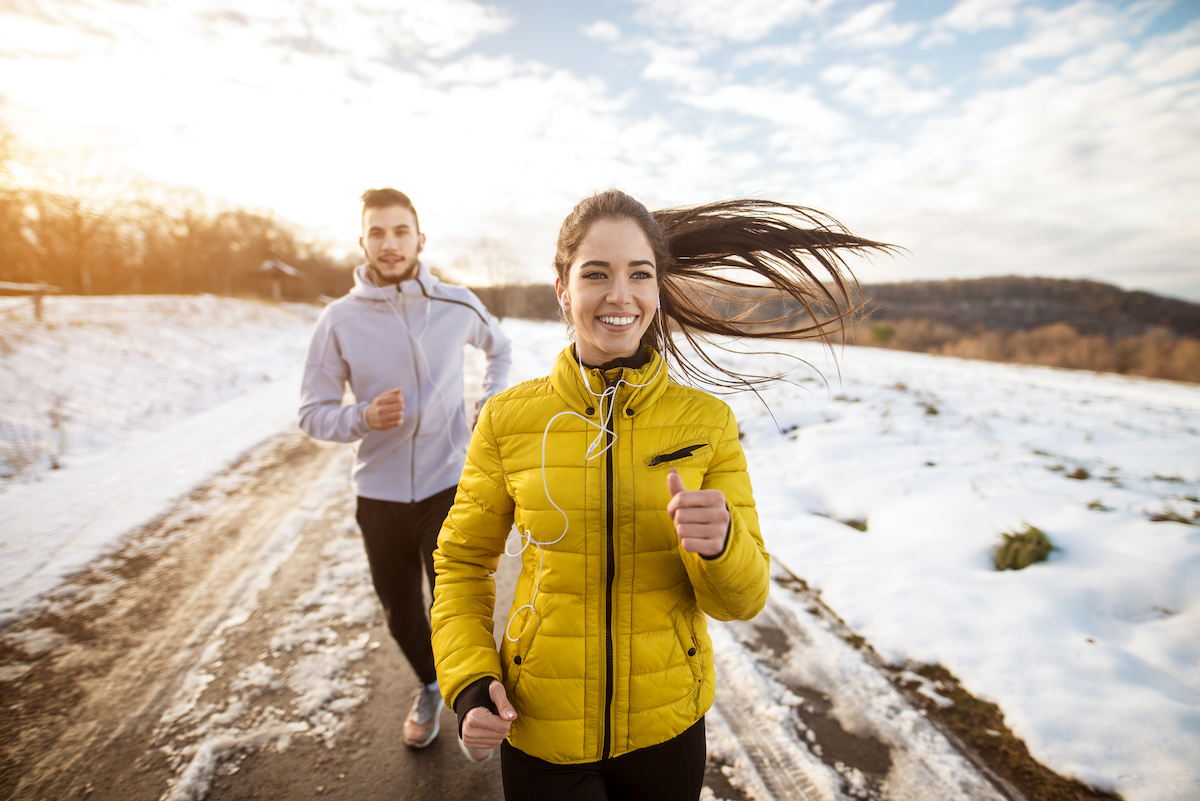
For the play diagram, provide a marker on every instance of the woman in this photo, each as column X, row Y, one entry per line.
column 632, row 500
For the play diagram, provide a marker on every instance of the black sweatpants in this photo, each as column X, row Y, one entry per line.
column 400, row 539
column 670, row 771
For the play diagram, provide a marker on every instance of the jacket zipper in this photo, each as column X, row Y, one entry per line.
column 412, row 451
column 612, row 569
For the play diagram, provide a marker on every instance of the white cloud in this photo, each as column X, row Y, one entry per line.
column 602, row 31
column 1058, row 176
column 973, row 16
column 870, row 28
column 880, row 92
column 675, row 65
column 791, row 55
column 1169, row 57
column 1059, row 33
column 794, row 113
column 735, row 20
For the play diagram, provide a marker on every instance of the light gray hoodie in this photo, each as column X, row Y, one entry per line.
column 411, row 336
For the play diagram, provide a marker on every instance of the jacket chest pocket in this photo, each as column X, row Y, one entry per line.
column 691, row 459
column 684, row 454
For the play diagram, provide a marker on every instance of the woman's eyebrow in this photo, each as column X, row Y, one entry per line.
column 598, row 263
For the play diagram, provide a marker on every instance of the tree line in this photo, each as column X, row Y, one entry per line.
column 91, row 238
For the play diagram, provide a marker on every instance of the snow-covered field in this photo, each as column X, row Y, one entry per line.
column 1093, row 655
column 111, row 408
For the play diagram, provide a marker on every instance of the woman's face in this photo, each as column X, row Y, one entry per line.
column 612, row 291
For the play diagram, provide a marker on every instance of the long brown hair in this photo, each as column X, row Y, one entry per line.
column 702, row 254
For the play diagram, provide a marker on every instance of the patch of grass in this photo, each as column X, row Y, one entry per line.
column 1079, row 474
column 882, row 333
column 1169, row 515
column 858, row 525
column 1020, row 549
column 980, row 725
column 1097, row 506
column 930, row 409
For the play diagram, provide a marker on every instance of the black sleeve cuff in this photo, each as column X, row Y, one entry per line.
column 725, row 547
column 475, row 695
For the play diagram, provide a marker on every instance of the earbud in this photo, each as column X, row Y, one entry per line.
column 562, row 302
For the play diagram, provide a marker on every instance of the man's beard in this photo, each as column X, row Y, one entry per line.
column 380, row 279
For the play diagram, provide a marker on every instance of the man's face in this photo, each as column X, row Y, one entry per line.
column 391, row 243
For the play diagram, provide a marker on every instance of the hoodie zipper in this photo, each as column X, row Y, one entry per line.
column 412, row 347
column 612, row 569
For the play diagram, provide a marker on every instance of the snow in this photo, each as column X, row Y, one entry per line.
column 1094, row 655
column 136, row 400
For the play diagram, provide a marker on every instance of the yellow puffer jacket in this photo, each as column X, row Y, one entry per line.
column 612, row 651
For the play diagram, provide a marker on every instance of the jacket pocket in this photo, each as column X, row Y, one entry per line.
column 690, row 648
column 677, row 455
column 516, row 654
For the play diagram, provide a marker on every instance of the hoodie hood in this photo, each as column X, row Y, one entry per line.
column 365, row 287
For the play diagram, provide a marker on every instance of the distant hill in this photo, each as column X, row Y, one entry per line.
column 1013, row 303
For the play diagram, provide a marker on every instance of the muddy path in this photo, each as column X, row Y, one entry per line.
column 239, row 627
column 234, row 649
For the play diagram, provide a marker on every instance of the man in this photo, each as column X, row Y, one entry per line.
column 398, row 339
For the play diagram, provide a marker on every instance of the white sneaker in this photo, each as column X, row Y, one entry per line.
column 424, row 721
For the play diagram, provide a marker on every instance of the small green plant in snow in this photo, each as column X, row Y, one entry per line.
column 1020, row 549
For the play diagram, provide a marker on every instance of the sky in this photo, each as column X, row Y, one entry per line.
column 1093, row 655
column 987, row 137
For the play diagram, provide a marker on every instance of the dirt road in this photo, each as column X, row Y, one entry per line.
column 235, row 650
column 222, row 654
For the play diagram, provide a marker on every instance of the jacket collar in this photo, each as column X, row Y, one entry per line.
column 365, row 287
column 637, row 390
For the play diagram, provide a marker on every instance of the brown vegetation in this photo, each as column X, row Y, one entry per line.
column 1017, row 303
column 1156, row 353
column 92, row 236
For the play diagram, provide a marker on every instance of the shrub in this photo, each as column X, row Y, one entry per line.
column 1020, row 549
column 882, row 334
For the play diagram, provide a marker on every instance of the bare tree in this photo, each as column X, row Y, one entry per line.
column 499, row 267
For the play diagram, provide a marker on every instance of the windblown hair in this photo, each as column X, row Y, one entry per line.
column 722, row 266
column 387, row 197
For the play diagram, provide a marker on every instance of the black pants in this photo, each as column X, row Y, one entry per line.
column 670, row 771
column 400, row 539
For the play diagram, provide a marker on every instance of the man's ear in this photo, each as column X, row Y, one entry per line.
column 420, row 243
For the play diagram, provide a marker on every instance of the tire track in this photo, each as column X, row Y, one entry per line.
column 818, row 719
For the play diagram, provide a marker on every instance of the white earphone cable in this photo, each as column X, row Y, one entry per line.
column 606, row 427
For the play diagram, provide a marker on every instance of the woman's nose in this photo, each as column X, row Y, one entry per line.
column 618, row 291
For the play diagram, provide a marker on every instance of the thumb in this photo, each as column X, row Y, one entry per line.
column 500, row 699
column 674, row 482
